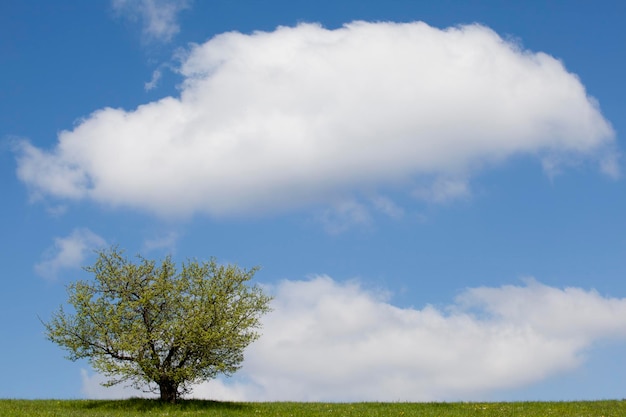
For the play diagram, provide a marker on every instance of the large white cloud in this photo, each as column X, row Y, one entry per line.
column 334, row 341
column 274, row 120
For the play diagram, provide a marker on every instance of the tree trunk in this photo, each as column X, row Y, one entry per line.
column 168, row 390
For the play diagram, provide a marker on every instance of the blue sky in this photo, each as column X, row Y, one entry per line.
column 437, row 207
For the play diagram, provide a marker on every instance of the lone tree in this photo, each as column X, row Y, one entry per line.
column 159, row 328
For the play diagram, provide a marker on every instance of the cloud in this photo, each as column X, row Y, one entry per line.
column 333, row 341
column 388, row 207
column 344, row 215
column 68, row 252
column 443, row 190
column 610, row 166
column 92, row 388
column 273, row 121
column 154, row 81
column 159, row 17
column 163, row 242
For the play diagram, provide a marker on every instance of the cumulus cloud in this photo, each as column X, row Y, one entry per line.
column 68, row 252
column 159, row 17
column 333, row 341
column 303, row 115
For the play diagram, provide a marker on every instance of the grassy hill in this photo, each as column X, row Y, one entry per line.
column 197, row 408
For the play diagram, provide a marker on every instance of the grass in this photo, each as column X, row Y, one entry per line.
column 197, row 408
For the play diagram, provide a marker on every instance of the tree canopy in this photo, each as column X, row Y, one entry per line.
column 160, row 329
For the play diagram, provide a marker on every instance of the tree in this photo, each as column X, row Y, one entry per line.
column 158, row 328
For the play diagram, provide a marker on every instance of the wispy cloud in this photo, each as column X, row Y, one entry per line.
column 443, row 190
column 332, row 341
column 344, row 215
column 303, row 116
column 386, row 206
column 158, row 17
column 610, row 166
column 154, row 81
column 341, row 216
column 162, row 242
column 68, row 252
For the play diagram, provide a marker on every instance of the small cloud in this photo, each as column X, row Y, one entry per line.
column 159, row 17
column 344, row 216
column 610, row 166
column 388, row 207
column 551, row 166
column 156, row 76
column 608, row 163
column 166, row 242
column 443, row 190
column 57, row 210
column 351, row 213
column 68, row 252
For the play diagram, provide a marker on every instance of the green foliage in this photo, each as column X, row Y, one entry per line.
column 160, row 328
column 137, row 407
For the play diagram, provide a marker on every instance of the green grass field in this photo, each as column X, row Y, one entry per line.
column 138, row 407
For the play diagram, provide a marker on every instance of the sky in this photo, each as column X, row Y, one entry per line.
column 434, row 191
